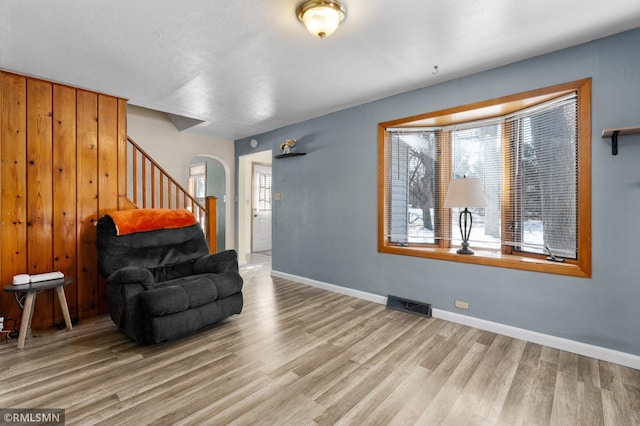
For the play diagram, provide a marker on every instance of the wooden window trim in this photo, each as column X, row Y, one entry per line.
column 489, row 109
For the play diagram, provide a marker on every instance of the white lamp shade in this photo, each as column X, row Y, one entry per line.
column 465, row 192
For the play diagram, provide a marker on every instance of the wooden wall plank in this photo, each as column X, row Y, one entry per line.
column 122, row 153
column 108, row 170
column 108, row 153
column 2, row 299
column 13, row 226
column 87, row 202
column 39, row 192
column 64, row 194
column 62, row 164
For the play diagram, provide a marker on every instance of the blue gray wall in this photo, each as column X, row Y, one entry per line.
column 325, row 226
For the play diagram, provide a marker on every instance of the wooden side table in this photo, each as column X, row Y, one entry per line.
column 32, row 289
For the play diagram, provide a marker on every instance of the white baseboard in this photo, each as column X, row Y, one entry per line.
column 597, row 352
column 332, row 287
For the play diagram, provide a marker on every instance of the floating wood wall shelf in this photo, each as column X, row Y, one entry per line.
column 621, row 131
column 291, row 154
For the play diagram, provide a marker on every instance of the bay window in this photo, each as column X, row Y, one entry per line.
column 532, row 152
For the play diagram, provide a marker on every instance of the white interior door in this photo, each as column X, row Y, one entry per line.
column 261, row 189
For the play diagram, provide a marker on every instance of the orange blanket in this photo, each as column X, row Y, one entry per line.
column 143, row 220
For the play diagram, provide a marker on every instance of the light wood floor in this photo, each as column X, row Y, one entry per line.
column 298, row 355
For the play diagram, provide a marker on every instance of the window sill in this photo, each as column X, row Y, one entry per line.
column 492, row 258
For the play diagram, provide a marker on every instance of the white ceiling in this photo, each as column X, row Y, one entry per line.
column 244, row 67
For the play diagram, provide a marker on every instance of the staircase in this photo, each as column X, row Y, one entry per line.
column 150, row 186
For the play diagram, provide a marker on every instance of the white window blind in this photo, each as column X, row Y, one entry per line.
column 412, row 182
column 526, row 162
column 543, row 202
column 476, row 152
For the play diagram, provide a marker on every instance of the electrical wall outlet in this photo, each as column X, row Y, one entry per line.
column 461, row 304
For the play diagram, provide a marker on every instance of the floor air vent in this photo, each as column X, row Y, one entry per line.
column 411, row 306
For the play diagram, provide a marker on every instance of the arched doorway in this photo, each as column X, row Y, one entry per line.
column 210, row 178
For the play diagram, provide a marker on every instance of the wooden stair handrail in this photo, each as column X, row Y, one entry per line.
column 154, row 190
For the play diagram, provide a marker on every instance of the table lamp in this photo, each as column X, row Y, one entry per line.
column 465, row 192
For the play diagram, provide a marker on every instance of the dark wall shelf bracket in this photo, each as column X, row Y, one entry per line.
column 614, row 133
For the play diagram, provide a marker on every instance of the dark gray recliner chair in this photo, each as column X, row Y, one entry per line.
column 163, row 283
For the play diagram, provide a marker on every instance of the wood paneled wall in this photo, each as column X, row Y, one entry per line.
column 62, row 151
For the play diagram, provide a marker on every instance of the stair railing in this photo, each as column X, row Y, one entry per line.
column 150, row 186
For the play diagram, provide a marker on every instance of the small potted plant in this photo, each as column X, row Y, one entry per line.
column 287, row 146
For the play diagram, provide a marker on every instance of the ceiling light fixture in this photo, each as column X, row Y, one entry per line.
column 321, row 17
